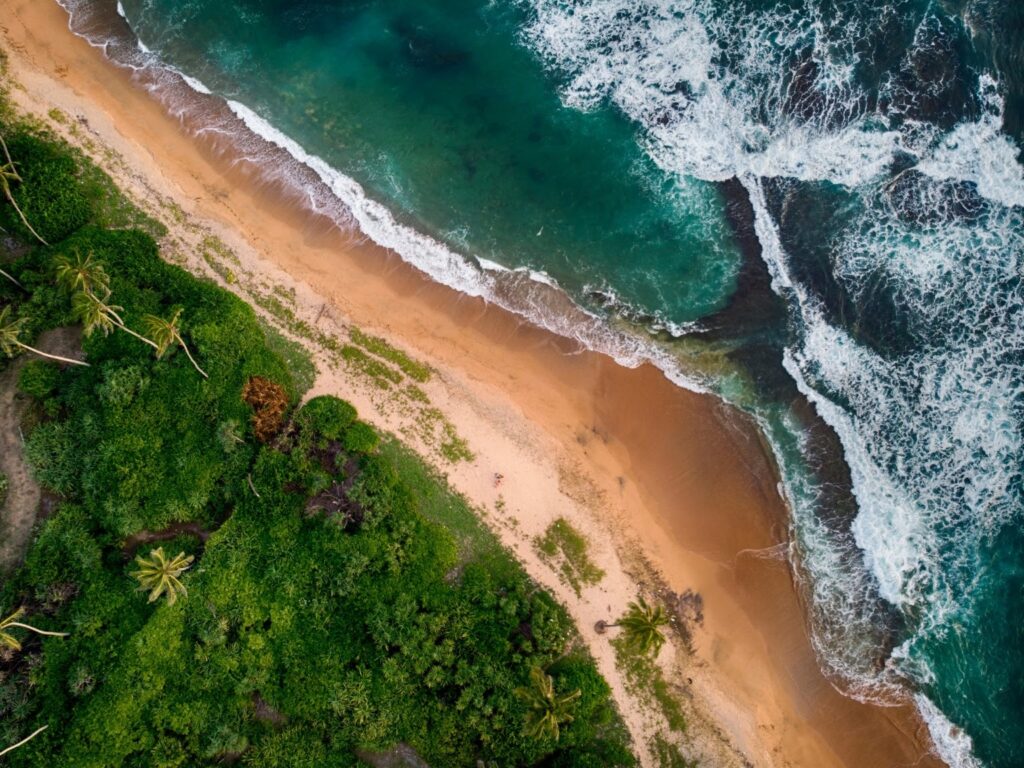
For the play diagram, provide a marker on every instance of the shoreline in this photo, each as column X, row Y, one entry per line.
column 618, row 451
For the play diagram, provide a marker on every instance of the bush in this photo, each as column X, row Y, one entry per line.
column 53, row 453
column 361, row 438
column 38, row 378
column 326, row 416
column 50, row 193
column 5, row 486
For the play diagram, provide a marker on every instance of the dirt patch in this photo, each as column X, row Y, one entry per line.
column 136, row 540
column 21, row 508
column 266, row 713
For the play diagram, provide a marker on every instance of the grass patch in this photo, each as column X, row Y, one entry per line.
column 439, row 503
column 667, row 754
column 295, row 357
column 453, row 448
column 565, row 548
column 415, row 394
column 378, row 346
column 380, row 372
column 645, row 679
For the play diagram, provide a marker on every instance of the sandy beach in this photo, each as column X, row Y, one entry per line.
column 670, row 487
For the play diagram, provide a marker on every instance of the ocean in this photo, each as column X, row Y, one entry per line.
column 812, row 208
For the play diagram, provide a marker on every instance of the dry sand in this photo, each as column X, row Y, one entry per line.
column 671, row 488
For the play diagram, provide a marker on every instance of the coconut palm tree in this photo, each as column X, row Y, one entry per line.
column 9, row 175
column 10, row 330
column 10, row 641
column 82, row 273
column 641, row 628
column 547, row 709
column 96, row 314
column 165, row 333
column 160, row 576
column 10, row 277
column 24, row 741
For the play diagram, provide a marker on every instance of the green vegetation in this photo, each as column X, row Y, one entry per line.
column 159, row 576
column 12, row 622
column 39, row 378
column 340, row 597
column 380, row 372
column 641, row 628
column 295, row 358
column 647, row 681
column 379, row 347
column 668, row 755
column 548, row 710
column 564, row 548
column 5, row 486
column 9, row 177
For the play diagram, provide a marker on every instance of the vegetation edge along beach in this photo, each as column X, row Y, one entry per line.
column 333, row 601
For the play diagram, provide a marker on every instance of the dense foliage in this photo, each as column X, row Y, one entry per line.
column 341, row 599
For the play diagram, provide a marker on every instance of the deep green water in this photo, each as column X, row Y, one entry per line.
column 829, row 193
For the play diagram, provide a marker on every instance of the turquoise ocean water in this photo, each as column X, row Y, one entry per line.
column 814, row 208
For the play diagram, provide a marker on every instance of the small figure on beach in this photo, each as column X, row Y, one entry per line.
column 498, row 477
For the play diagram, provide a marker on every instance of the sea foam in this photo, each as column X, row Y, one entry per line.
column 930, row 438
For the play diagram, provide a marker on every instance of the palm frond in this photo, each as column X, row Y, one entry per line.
column 159, row 575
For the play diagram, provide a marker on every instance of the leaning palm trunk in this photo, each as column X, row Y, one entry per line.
column 10, row 330
column 96, row 313
column 193, row 361
column 58, row 358
column 138, row 336
column 8, row 173
column 165, row 333
column 24, row 741
column 121, row 324
column 11, row 278
column 8, row 640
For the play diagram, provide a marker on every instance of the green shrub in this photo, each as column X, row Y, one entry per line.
column 53, row 452
column 38, row 378
column 326, row 416
column 5, row 486
column 64, row 551
column 360, row 437
column 50, row 193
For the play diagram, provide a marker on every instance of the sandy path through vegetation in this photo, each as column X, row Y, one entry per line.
column 20, row 510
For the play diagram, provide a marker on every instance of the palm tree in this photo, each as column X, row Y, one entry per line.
column 159, row 575
column 165, row 333
column 82, row 273
column 11, row 277
column 547, row 710
column 10, row 330
column 24, row 741
column 95, row 314
column 641, row 628
column 10, row 641
column 9, row 175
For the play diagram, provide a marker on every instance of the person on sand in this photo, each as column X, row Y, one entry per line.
column 498, row 477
